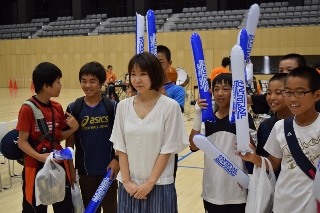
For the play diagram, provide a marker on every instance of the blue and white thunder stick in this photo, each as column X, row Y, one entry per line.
column 100, row 193
column 251, row 26
column 240, row 100
column 139, row 33
column 201, row 73
column 242, row 41
column 63, row 154
column 151, row 32
column 221, row 159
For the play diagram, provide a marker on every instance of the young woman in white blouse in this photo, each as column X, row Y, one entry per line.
column 147, row 132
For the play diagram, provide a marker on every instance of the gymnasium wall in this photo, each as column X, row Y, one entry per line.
column 19, row 57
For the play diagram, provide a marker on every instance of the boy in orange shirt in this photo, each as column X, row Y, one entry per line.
column 223, row 69
column 110, row 82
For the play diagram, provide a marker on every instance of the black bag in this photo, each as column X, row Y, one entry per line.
column 9, row 146
column 301, row 159
column 108, row 104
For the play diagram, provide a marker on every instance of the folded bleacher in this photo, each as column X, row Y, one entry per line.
column 273, row 14
column 66, row 26
column 196, row 19
column 120, row 25
column 16, row 31
column 280, row 14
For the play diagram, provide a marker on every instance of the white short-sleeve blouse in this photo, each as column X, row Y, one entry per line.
column 161, row 131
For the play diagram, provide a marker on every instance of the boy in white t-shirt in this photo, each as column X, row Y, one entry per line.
column 293, row 192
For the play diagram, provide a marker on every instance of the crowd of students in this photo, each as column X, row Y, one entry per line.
column 139, row 137
column 294, row 91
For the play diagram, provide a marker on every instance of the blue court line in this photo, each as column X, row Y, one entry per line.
column 191, row 167
column 183, row 157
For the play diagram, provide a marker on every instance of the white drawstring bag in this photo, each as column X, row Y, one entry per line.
column 50, row 183
column 261, row 189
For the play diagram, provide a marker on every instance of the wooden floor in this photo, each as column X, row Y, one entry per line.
column 189, row 176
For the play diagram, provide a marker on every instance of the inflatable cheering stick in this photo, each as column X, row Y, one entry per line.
column 201, row 73
column 139, row 33
column 242, row 41
column 100, row 193
column 240, row 100
column 251, row 26
column 221, row 159
column 63, row 154
column 151, row 32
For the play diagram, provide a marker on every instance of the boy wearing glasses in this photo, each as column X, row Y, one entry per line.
column 287, row 63
column 293, row 191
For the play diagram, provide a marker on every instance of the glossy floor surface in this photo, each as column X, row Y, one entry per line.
column 189, row 176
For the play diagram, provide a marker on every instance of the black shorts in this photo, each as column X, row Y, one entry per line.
column 227, row 208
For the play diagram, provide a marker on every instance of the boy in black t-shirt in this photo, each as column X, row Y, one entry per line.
column 278, row 105
column 94, row 151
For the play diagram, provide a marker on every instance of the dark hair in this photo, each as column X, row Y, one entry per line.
column 109, row 66
column 222, row 78
column 93, row 68
column 225, row 61
column 279, row 77
column 164, row 50
column 308, row 73
column 316, row 65
column 298, row 58
column 149, row 63
column 45, row 74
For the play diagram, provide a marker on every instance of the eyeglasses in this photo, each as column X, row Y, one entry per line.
column 296, row 94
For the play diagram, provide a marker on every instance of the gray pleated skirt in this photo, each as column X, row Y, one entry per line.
column 161, row 199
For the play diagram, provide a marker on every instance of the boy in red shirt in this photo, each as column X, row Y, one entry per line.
column 46, row 79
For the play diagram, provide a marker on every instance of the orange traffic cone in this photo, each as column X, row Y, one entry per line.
column 15, row 84
column 10, row 84
column 32, row 85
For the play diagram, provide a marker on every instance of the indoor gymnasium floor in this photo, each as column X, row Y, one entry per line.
column 190, row 165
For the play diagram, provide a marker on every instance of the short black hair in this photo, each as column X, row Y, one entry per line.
column 316, row 65
column 308, row 73
column 109, row 66
column 164, row 50
column 45, row 73
column 301, row 61
column 225, row 61
column 222, row 78
column 279, row 77
column 95, row 69
column 149, row 63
